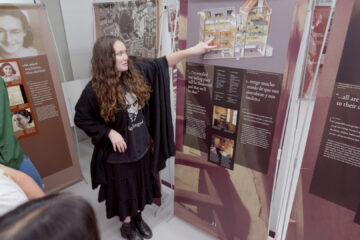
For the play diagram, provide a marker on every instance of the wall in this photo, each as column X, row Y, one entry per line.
column 59, row 38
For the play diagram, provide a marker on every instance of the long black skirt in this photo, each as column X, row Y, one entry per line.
column 129, row 187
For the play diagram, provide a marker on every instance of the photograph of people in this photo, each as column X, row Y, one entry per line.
column 8, row 72
column 16, row 37
column 215, row 153
column 221, row 149
column 23, row 120
column 114, row 110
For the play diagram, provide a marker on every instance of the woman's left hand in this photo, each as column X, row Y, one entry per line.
column 203, row 47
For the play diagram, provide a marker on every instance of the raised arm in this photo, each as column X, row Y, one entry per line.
column 25, row 182
column 200, row 48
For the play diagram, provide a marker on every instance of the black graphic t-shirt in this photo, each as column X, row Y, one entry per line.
column 136, row 136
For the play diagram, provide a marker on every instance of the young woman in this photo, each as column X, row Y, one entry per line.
column 113, row 111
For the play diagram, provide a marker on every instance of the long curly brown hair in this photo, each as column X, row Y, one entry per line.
column 108, row 86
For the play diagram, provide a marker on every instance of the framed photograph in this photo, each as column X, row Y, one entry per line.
column 16, row 95
column 224, row 119
column 23, row 120
column 10, row 73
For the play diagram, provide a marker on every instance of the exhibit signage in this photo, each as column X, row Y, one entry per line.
column 327, row 199
column 340, row 144
column 230, row 111
column 261, row 95
column 216, row 105
column 28, row 67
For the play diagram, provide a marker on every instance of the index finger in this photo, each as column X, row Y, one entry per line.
column 210, row 40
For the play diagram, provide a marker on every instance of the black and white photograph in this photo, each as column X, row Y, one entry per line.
column 9, row 72
column 23, row 120
column 19, row 33
column 133, row 21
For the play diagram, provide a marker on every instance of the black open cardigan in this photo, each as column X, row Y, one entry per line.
column 157, row 115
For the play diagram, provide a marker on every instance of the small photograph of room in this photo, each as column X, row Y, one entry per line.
column 224, row 119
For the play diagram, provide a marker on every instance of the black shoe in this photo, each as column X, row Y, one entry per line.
column 129, row 232
column 141, row 226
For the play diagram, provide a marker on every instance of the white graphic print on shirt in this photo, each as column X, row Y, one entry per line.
column 132, row 106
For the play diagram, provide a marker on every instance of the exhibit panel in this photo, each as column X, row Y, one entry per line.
column 326, row 204
column 231, row 104
column 29, row 69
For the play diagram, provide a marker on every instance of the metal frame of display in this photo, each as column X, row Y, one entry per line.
column 299, row 114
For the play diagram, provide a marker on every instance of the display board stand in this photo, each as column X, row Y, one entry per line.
column 47, row 137
column 224, row 175
column 298, row 123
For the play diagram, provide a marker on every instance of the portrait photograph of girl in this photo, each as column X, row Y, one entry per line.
column 9, row 71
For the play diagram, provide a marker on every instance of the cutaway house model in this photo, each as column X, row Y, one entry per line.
column 237, row 35
column 253, row 29
column 220, row 24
